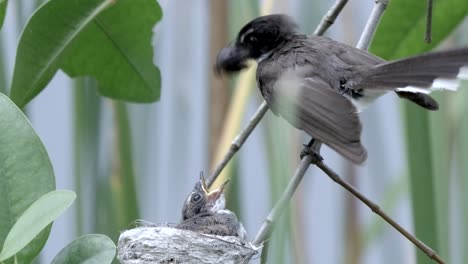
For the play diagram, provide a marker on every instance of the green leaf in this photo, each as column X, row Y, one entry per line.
column 25, row 173
column 400, row 34
column 3, row 5
column 89, row 249
column 37, row 217
column 422, row 178
column 83, row 38
column 401, row 31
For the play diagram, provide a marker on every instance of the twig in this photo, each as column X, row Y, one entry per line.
column 330, row 17
column 371, row 25
column 428, row 36
column 376, row 209
column 238, row 142
column 267, row 225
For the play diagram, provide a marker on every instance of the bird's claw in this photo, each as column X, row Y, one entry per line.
column 309, row 151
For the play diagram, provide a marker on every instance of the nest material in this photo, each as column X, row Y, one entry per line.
column 162, row 244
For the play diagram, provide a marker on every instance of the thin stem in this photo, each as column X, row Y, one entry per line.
column 267, row 226
column 428, row 36
column 238, row 142
column 376, row 209
column 371, row 25
column 330, row 17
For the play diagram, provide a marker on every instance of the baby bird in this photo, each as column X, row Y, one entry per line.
column 205, row 212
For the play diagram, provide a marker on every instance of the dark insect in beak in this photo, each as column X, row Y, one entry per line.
column 232, row 59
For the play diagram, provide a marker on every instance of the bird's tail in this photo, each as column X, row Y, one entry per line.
column 418, row 74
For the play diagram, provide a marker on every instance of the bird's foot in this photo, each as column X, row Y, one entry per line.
column 309, row 151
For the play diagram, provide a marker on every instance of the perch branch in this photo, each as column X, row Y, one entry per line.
column 330, row 17
column 376, row 209
column 267, row 226
column 371, row 25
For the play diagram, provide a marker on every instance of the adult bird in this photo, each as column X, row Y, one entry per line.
column 319, row 85
column 205, row 212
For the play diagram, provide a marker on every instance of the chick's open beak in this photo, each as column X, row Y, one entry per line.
column 214, row 195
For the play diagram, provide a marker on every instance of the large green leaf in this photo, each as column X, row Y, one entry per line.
column 401, row 33
column 89, row 249
column 3, row 5
column 86, row 38
column 25, row 173
column 35, row 219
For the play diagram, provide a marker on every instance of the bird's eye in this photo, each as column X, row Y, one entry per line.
column 253, row 39
column 196, row 197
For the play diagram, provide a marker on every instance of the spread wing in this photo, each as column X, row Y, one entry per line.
column 311, row 105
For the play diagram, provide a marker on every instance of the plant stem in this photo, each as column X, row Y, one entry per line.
column 371, row 25
column 330, row 17
column 238, row 142
column 279, row 207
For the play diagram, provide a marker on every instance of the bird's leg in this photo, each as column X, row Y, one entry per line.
column 310, row 150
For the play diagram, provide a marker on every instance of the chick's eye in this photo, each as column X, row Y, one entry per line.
column 196, row 197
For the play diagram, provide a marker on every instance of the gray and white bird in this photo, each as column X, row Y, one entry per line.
column 319, row 85
column 205, row 212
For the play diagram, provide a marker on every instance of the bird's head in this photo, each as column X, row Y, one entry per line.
column 254, row 41
column 200, row 200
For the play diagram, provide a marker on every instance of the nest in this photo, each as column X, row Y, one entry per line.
column 165, row 244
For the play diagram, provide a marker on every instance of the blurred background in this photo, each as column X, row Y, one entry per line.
column 140, row 161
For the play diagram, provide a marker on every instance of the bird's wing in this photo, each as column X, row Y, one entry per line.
column 311, row 105
column 350, row 55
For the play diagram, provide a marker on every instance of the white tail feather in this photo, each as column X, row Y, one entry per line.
column 463, row 73
column 440, row 83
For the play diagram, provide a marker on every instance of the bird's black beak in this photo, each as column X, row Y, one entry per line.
column 232, row 58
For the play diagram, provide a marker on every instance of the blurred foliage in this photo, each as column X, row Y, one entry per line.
column 3, row 5
column 400, row 34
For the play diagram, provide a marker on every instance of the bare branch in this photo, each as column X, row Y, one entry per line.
column 267, row 226
column 330, row 17
column 238, row 142
column 371, row 25
column 376, row 209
